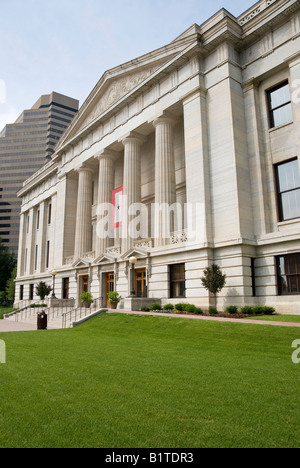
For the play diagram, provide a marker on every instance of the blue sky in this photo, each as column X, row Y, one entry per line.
column 66, row 45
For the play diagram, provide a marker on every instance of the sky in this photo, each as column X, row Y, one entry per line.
column 67, row 45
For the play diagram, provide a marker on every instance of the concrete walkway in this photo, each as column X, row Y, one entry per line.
column 9, row 326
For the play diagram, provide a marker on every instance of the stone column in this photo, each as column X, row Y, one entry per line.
column 165, row 184
column 198, row 196
column 83, row 232
column 105, row 188
column 131, row 185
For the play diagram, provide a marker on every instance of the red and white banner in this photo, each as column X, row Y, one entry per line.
column 117, row 208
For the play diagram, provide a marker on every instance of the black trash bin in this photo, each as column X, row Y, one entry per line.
column 42, row 321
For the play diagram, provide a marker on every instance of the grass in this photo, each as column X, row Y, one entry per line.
column 141, row 381
column 5, row 310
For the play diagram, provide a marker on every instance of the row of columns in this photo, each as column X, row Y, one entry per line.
column 165, row 187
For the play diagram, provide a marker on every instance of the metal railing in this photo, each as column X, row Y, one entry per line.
column 81, row 312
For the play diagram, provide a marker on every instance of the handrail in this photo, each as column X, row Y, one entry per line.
column 80, row 312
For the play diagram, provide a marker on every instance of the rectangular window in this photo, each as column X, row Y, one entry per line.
column 288, row 272
column 177, row 280
column 36, row 257
column 288, row 190
column 38, row 220
column 31, row 290
column 49, row 213
column 253, row 282
column 47, row 254
column 280, row 107
column 65, row 285
column 21, row 295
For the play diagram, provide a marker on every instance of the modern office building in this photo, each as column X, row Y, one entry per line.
column 25, row 147
column 181, row 158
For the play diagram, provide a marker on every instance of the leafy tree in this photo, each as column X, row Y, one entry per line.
column 10, row 285
column 42, row 290
column 214, row 280
column 7, row 263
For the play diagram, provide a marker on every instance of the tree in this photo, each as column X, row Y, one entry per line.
column 42, row 290
column 7, row 263
column 214, row 280
column 10, row 286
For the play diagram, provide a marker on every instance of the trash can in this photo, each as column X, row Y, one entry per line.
column 42, row 321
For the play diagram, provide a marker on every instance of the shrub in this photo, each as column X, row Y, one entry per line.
column 247, row 310
column 268, row 310
column 232, row 310
column 156, row 306
column 145, row 309
column 212, row 311
column 198, row 311
column 179, row 306
column 258, row 310
column 190, row 308
column 169, row 307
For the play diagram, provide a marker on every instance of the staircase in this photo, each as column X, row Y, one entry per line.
column 60, row 316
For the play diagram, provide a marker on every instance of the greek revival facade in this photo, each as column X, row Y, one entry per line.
column 181, row 158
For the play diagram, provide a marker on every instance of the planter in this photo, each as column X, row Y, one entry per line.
column 113, row 305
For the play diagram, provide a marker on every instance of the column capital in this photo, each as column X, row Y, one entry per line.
column 133, row 137
column 164, row 118
column 106, row 153
column 84, row 168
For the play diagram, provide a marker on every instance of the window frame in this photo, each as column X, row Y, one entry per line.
column 176, row 281
column 279, row 194
column 279, row 276
column 269, row 101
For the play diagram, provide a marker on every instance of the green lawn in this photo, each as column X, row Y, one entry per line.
column 156, row 382
column 5, row 310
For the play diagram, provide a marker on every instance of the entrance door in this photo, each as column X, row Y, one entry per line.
column 84, row 284
column 110, row 286
column 141, row 282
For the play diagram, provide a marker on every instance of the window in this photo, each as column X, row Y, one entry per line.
column 47, row 254
column 253, row 281
column 177, row 280
column 65, row 285
column 49, row 213
column 288, row 271
column 21, row 294
column 31, row 288
column 279, row 102
column 288, row 190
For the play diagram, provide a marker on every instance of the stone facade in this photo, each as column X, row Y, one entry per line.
column 184, row 135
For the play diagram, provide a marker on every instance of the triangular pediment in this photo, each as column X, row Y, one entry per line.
column 104, row 258
column 134, row 252
column 80, row 262
column 119, row 83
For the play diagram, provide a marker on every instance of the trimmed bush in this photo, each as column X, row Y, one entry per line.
column 168, row 307
column 212, row 311
column 145, row 309
column 156, row 306
column 232, row 310
column 179, row 306
column 247, row 310
column 198, row 311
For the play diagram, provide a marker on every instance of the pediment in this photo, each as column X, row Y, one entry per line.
column 134, row 252
column 118, row 83
column 104, row 258
column 80, row 263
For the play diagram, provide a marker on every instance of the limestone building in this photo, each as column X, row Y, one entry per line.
column 25, row 146
column 183, row 157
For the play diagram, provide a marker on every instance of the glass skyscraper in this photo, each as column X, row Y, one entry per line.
column 25, row 147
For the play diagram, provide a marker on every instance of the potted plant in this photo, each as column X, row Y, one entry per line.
column 87, row 299
column 113, row 298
